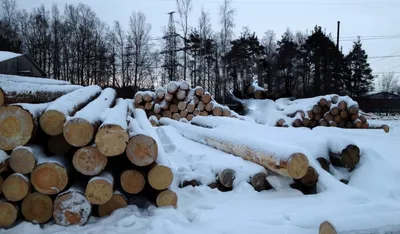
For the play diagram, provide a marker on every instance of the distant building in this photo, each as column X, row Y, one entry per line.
column 19, row 64
column 383, row 102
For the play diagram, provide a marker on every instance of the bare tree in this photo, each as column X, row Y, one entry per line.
column 388, row 82
column 205, row 31
column 270, row 45
column 184, row 8
column 8, row 11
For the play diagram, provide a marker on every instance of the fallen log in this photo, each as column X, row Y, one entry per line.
column 259, row 182
column 19, row 124
column 160, row 177
column 12, row 92
column 89, row 161
column 181, row 94
column 206, row 98
column 8, row 214
column 160, row 92
column 184, row 85
column 53, row 119
column 199, row 91
column 176, row 116
column 310, row 178
column 278, row 158
column 32, row 80
column 172, row 87
column 99, row 189
column 16, row 187
column 132, row 181
column 57, row 145
column 167, row 198
column 349, row 157
column 327, row 228
column 112, row 136
column 72, row 207
column 324, row 163
column 37, row 208
column 148, row 96
column 81, row 128
column 117, row 201
column 23, row 160
column 226, row 178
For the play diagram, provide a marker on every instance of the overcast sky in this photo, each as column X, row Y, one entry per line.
column 378, row 21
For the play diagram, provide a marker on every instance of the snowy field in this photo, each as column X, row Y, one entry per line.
column 370, row 203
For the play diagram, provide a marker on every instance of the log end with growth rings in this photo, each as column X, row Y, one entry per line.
column 52, row 122
column 99, row 191
column 1, row 98
column 8, row 214
column 167, row 198
column 37, row 208
column 49, row 178
column 71, row 208
column 297, row 165
column 310, row 178
column 89, row 161
column 16, row 187
column 160, row 177
column 132, row 181
column 116, row 202
column 142, row 150
column 326, row 228
column 22, row 161
column 111, row 140
column 78, row 132
column 16, row 127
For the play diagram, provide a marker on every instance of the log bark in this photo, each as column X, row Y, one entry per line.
column 11, row 92
column 53, row 119
column 89, row 161
column 50, row 176
column 132, row 181
column 99, row 189
column 37, row 208
column 72, row 207
column 8, row 214
column 192, row 183
column 116, row 202
column 160, row 177
column 19, row 124
column 4, row 165
column 16, row 187
column 326, row 228
column 167, row 198
column 81, row 128
column 286, row 163
column 259, row 182
column 57, row 145
column 31, row 80
column 112, row 136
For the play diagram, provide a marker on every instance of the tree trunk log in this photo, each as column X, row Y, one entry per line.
column 8, row 214
column 116, row 202
column 199, row 91
column 160, row 177
column 37, row 208
column 326, row 228
column 160, row 92
column 23, row 159
column 89, row 161
column 16, row 187
column 167, row 198
column 349, row 157
column 259, row 182
column 172, row 87
column 99, row 189
column 206, row 98
column 132, row 181
column 226, row 178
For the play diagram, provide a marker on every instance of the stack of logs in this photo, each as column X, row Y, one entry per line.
column 77, row 154
column 178, row 101
column 333, row 111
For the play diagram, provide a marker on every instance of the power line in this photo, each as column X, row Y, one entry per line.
column 294, row 2
column 385, row 56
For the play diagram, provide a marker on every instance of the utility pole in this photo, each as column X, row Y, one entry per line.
column 337, row 36
column 170, row 62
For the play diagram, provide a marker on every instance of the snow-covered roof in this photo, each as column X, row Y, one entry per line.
column 5, row 55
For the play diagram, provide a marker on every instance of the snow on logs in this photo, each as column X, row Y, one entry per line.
column 56, row 114
column 278, row 158
column 80, row 129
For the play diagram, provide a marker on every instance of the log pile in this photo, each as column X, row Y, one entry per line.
column 178, row 101
column 77, row 154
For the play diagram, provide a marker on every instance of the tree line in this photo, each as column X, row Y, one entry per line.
column 77, row 46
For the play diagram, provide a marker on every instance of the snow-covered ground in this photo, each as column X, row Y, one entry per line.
column 370, row 203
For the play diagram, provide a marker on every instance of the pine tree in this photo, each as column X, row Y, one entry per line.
column 360, row 79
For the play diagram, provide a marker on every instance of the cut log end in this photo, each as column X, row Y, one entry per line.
column 226, row 178
column 8, row 214
column 206, row 98
column 37, row 208
column 99, row 191
column 160, row 177
column 22, row 161
column 52, row 122
column 327, row 228
column 132, row 181
column 386, row 128
column 167, row 198
column 259, row 182
column 71, row 208
column 16, row 127
column 111, row 140
column 89, row 161
column 78, row 132
column 1, row 98
column 116, row 202
column 217, row 111
column 297, row 165
column 310, row 178
column 15, row 187
column 142, row 150
column 57, row 145
column 49, row 178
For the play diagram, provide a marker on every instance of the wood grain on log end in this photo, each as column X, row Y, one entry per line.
column 49, row 178
column 16, row 187
column 116, row 202
column 199, row 91
column 189, row 117
column 57, row 145
column 182, row 105
column 226, row 178
column 176, row 116
column 217, row 111
column 386, row 128
column 16, row 127
column 316, row 109
column 148, row 105
column 167, row 198
column 310, row 178
column 142, row 150
column 184, row 113
column 297, row 165
column 99, row 191
column 111, row 140
column 89, row 161
column 132, row 181
column 167, row 114
column 52, row 122
column 8, row 214
column 259, row 182
column 78, row 132
column 181, row 94
column 342, row 105
column 71, row 208
column 206, row 98
column 353, row 110
column 37, row 208
column 22, row 161
column 160, row 177
column 326, row 228
column 209, row 106
column 226, row 112
column 1, row 97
